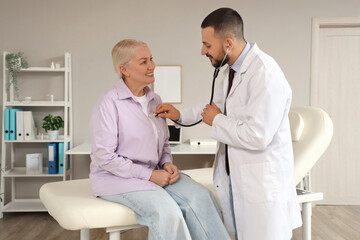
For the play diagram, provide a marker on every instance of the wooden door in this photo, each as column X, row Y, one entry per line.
column 335, row 87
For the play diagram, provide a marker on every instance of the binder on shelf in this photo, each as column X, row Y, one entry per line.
column 20, row 125
column 7, row 124
column 62, row 158
column 52, row 158
column 29, row 126
column 68, row 157
column 13, row 123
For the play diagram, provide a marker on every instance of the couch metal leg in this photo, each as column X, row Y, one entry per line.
column 306, row 218
column 114, row 235
column 85, row 234
column 114, row 232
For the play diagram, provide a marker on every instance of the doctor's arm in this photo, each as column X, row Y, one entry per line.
column 184, row 116
column 253, row 126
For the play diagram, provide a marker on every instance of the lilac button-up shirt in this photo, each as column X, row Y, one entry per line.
column 124, row 151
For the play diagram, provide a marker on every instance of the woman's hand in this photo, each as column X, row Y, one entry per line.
column 160, row 177
column 173, row 170
column 167, row 111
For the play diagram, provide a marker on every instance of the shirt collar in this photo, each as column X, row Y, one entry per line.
column 124, row 92
column 237, row 64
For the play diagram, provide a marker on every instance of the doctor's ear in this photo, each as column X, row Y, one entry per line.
column 228, row 43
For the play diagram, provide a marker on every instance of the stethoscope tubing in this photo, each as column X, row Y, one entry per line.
column 216, row 72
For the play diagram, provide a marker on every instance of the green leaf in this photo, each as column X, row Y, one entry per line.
column 52, row 123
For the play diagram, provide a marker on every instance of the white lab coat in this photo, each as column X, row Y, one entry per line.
column 257, row 132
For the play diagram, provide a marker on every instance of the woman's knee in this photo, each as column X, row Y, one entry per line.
column 200, row 193
column 169, row 214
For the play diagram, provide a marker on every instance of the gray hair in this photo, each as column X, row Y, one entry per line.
column 123, row 51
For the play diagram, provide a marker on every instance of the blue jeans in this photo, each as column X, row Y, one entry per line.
column 180, row 211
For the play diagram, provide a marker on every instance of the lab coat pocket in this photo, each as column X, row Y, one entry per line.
column 258, row 182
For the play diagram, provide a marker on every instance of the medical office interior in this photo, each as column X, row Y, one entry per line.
column 316, row 43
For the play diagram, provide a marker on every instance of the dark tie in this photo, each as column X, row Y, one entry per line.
column 231, row 77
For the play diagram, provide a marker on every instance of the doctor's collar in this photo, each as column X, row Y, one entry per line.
column 237, row 64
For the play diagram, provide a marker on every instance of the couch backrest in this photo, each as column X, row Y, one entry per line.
column 311, row 130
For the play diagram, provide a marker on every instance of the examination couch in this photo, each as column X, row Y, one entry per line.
column 73, row 206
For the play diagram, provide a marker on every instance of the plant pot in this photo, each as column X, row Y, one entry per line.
column 53, row 134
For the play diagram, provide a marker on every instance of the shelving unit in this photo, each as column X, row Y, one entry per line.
column 13, row 168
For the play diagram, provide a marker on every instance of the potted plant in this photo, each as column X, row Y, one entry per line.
column 14, row 63
column 52, row 125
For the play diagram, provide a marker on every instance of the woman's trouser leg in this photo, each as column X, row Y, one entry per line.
column 199, row 208
column 157, row 210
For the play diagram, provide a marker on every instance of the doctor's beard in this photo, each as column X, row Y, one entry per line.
column 217, row 62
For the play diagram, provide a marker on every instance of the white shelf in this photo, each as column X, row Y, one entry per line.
column 45, row 140
column 24, row 205
column 41, row 69
column 9, row 156
column 36, row 104
column 21, row 172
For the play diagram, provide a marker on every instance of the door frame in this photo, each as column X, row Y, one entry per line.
column 317, row 24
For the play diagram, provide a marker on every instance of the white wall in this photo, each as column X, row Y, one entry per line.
column 88, row 29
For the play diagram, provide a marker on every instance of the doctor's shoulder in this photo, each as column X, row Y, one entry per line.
column 266, row 65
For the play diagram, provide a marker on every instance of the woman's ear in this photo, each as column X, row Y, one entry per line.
column 124, row 70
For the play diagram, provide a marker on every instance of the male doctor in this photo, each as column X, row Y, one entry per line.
column 253, row 173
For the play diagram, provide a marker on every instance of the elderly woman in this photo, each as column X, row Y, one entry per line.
column 131, row 163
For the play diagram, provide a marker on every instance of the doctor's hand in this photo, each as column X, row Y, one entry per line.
column 173, row 170
column 167, row 111
column 160, row 177
column 209, row 113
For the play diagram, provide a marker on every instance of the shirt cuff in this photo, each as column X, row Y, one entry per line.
column 163, row 161
column 145, row 173
column 217, row 118
column 180, row 120
column 215, row 122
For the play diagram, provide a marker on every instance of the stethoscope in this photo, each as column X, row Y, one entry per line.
column 216, row 72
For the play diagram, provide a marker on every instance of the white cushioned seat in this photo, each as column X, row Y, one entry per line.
column 73, row 206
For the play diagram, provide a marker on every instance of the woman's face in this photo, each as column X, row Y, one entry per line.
column 141, row 67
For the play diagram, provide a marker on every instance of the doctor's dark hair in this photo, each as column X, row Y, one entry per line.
column 123, row 51
column 226, row 22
